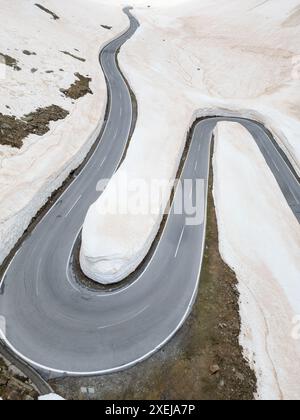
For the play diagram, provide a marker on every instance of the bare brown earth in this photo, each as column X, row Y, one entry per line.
column 203, row 361
column 14, row 130
column 79, row 88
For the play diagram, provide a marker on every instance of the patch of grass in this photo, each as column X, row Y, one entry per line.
column 14, row 387
column 79, row 88
column 13, row 130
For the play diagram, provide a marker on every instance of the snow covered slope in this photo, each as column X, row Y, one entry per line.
column 260, row 239
column 29, row 175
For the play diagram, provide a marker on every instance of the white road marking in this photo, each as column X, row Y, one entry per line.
column 196, row 165
column 73, row 206
column 103, row 161
column 38, row 276
column 271, row 159
column 180, row 239
column 276, row 166
column 8, row 267
column 293, row 194
column 278, row 170
column 283, row 160
column 124, row 320
column 199, row 147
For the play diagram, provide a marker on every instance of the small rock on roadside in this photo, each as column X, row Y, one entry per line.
column 214, row 369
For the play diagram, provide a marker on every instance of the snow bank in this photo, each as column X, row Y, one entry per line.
column 260, row 240
column 51, row 397
column 185, row 61
column 108, row 236
column 28, row 176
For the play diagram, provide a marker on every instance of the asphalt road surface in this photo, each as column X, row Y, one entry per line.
column 57, row 325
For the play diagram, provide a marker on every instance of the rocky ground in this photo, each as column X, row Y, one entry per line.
column 79, row 88
column 13, row 130
column 203, row 361
column 14, row 385
column 10, row 61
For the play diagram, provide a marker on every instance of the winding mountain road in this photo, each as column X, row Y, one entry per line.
column 61, row 327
